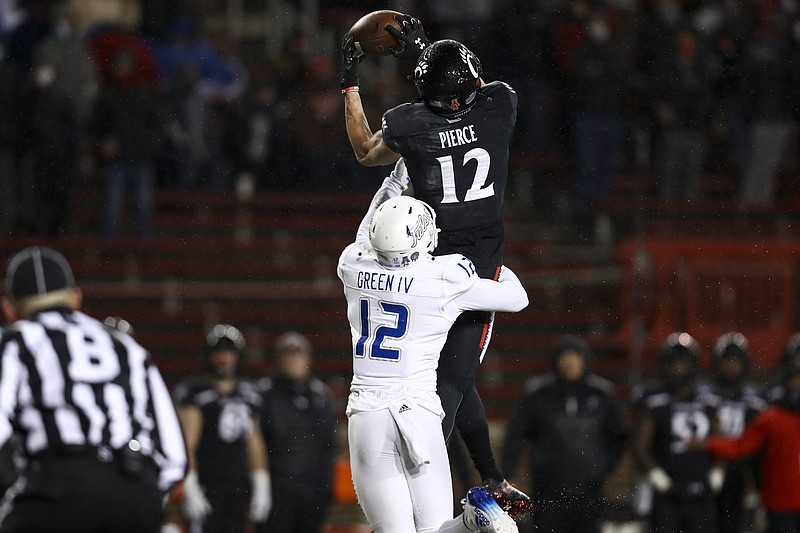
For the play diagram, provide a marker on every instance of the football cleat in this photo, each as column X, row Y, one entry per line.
column 481, row 511
column 510, row 499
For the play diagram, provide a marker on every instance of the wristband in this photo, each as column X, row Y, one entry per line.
column 350, row 89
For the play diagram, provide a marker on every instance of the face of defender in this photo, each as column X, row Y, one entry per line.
column 223, row 363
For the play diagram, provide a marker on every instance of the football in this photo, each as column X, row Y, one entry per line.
column 369, row 35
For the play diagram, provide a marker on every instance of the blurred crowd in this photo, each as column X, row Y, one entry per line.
column 606, row 86
column 657, row 88
column 164, row 105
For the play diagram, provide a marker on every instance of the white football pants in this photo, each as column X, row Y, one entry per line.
column 396, row 496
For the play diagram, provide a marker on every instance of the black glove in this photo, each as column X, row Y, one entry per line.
column 350, row 60
column 413, row 37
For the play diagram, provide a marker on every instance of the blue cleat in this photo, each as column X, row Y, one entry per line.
column 483, row 514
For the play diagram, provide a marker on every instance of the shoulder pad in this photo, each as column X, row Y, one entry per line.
column 708, row 396
column 600, row 383
column 494, row 87
column 501, row 92
column 187, row 390
column 537, row 383
column 458, row 269
column 754, row 399
column 776, row 393
column 656, row 399
column 318, row 386
column 250, row 392
column 265, row 384
column 394, row 124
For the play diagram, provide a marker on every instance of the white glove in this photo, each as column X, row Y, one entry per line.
column 716, row 478
column 261, row 500
column 195, row 504
column 659, row 479
column 752, row 499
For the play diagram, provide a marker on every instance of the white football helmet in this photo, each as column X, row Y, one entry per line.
column 402, row 230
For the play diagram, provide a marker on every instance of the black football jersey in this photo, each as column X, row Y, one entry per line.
column 736, row 410
column 227, row 424
column 459, row 166
column 677, row 422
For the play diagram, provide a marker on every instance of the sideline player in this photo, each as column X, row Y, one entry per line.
column 455, row 140
column 739, row 403
column 401, row 302
column 97, row 426
column 668, row 419
column 227, row 457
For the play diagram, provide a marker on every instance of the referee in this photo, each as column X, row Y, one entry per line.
column 99, row 430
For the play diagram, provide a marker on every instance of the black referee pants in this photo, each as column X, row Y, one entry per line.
column 77, row 492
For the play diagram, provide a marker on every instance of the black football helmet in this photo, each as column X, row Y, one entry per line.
column 679, row 346
column 732, row 344
column 791, row 352
column 447, row 76
column 223, row 337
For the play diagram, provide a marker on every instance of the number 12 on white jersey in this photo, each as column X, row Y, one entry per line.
column 378, row 331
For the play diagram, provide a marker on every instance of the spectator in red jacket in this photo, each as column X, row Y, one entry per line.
column 775, row 433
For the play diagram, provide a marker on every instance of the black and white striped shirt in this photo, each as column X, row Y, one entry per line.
column 66, row 380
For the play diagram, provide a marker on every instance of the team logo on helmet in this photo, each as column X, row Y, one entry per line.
column 420, row 70
column 419, row 229
column 454, row 104
column 469, row 58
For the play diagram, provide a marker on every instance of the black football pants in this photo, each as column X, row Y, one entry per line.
column 781, row 522
column 683, row 516
column 79, row 493
column 457, row 371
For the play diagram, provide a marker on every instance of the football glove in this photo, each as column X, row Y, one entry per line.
column 261, row 499
column 659, row 479
column 195, row 504
column 716, row 478
column 350, row 60
column 413, row 37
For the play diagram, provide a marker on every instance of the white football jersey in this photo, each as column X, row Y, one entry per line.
column 399, row 318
